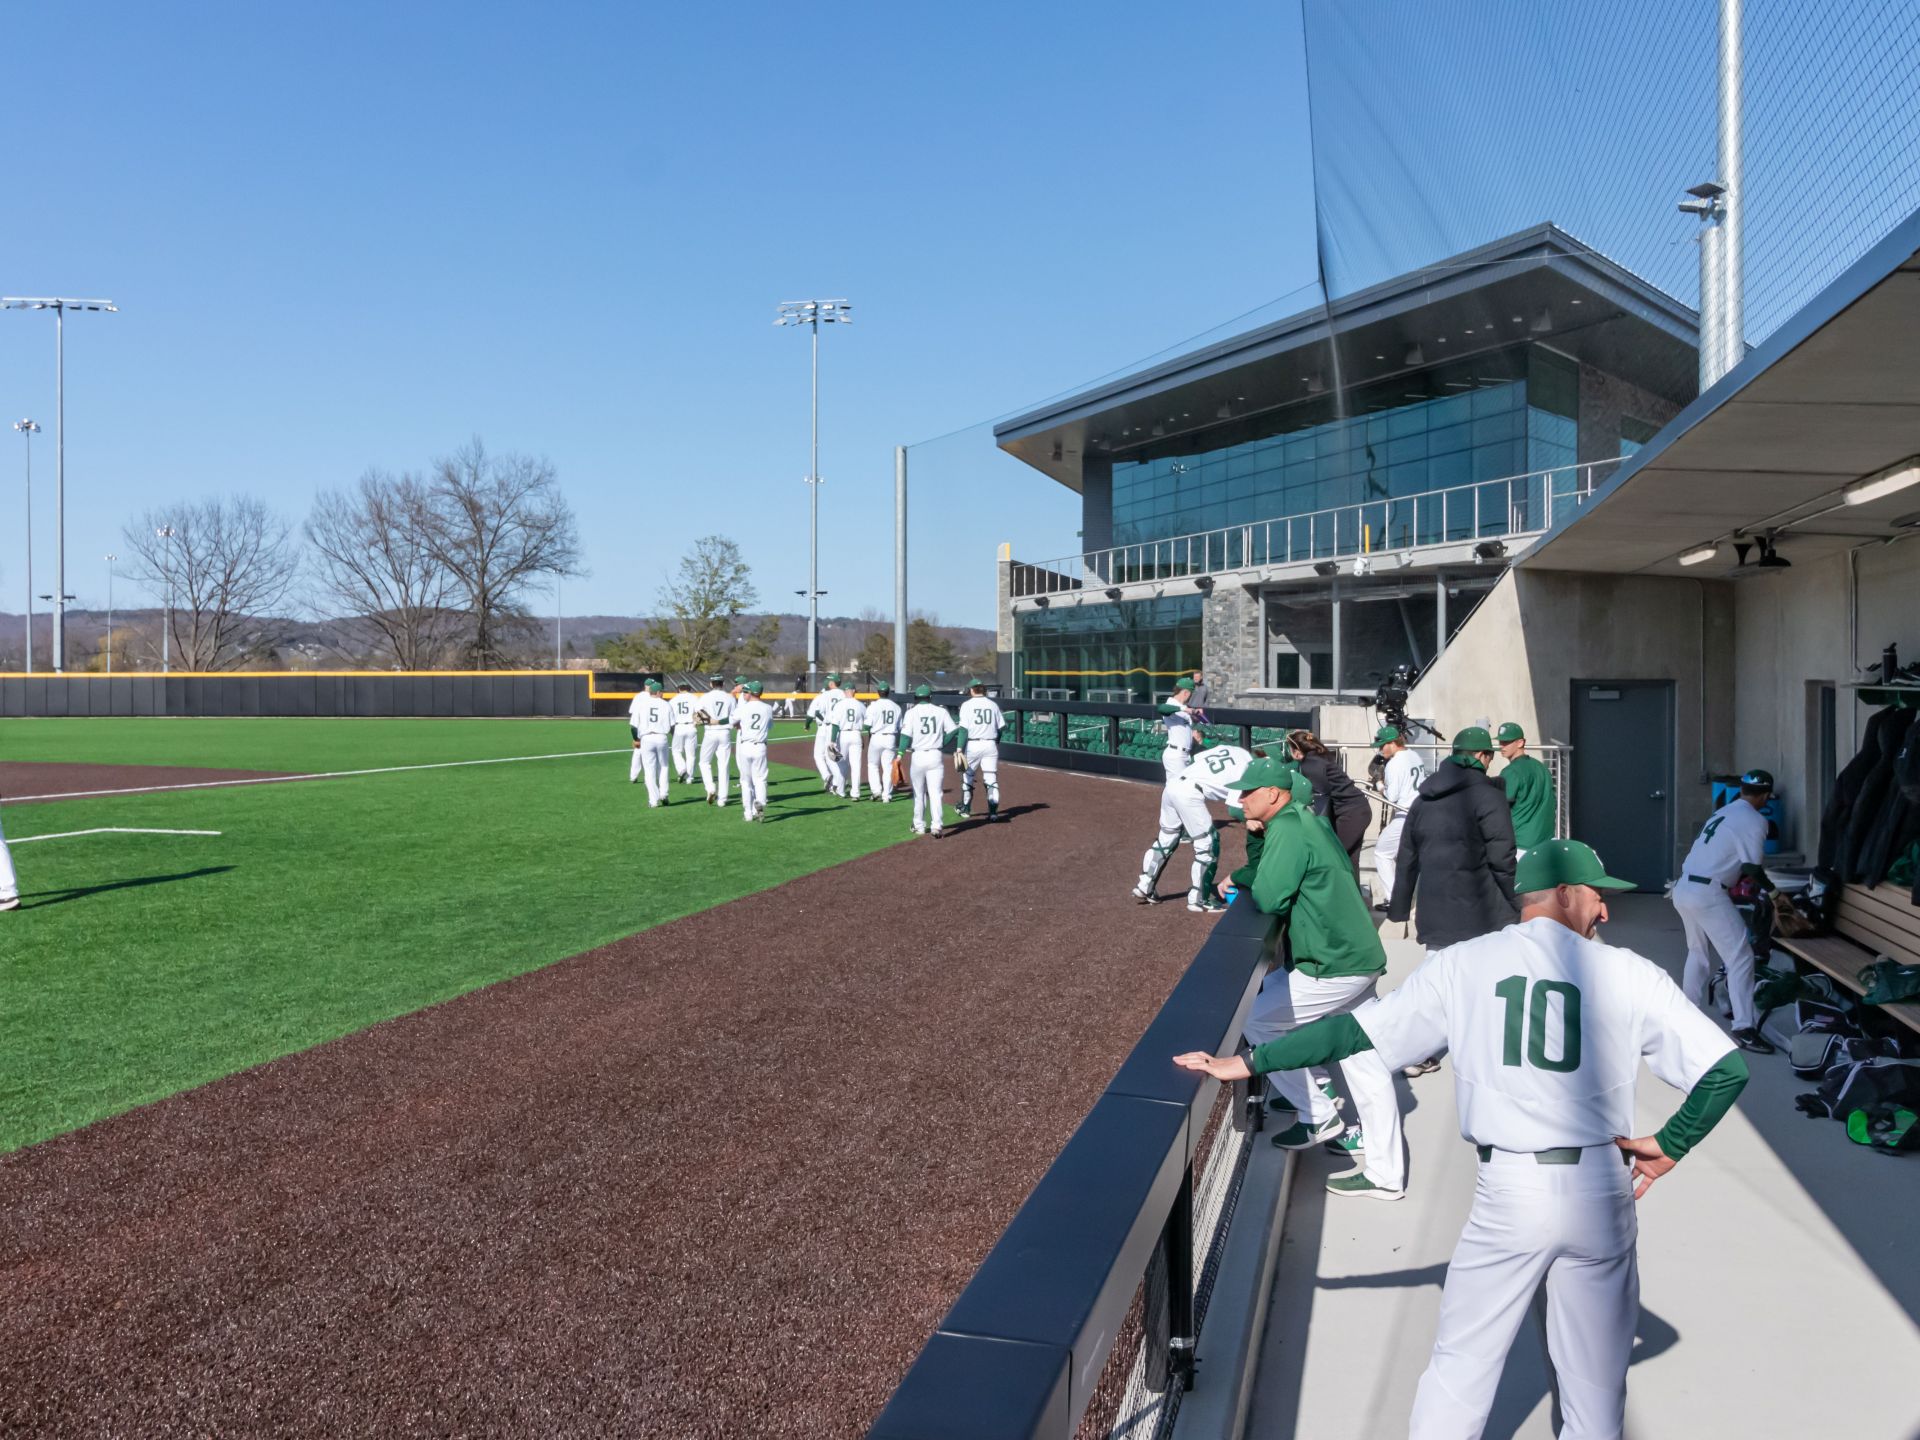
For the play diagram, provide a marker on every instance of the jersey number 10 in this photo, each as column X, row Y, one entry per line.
column 1513, row 990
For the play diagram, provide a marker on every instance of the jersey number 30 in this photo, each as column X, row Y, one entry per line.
column 1533, row 1018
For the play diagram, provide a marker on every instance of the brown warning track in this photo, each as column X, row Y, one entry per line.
column 53, row 779
column 717, row 1179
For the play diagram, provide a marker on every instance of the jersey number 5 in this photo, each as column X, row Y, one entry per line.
column 1513, row 990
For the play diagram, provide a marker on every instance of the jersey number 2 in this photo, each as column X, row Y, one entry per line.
column 1533, row 1017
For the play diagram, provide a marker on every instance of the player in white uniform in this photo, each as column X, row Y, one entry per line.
column 1177, row 720
column 883, row 738
column 923, row 732
column 716, row 742
column 849, row 715
column 1548, row 1027
column 977, row 748
column 753, row 719
column 1405, row 771
column 9, row 882
column 686, row 734
column 819, row 713
column 652, row 721
column 1732, row 843
column 1183, row 810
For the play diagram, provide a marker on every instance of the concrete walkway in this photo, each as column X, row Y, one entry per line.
column 1779, row 1264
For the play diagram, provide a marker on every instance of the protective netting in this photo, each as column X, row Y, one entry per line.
column 1442, row 125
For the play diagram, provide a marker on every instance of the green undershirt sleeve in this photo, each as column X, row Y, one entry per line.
column 960, row 737
column 1703, row 1107
column 1319, row 1043
column 1256, row 842
column 1166, row 709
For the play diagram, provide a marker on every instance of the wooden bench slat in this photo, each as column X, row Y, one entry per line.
column 1865, row 930
column 1890, row 907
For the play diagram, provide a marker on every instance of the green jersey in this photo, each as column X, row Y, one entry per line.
column 1529, row 786
column 1299, row 871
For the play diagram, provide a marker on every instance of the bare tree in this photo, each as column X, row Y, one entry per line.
column 710, row 592
column 496, row 522
column 225, row 568
column 374, row 560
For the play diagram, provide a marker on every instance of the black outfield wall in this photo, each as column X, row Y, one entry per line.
column 329, row 693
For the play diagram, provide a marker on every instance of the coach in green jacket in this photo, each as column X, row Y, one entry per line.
column 1529, row 787
column 1298, row 870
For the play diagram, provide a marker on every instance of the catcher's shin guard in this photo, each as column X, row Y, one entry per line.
column 1156, row 858
column 1206, row 864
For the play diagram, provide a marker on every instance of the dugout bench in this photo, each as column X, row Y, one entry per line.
column 1869, row 921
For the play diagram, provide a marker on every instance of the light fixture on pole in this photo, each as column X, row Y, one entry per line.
column 165, row 535
column 28, row 429
column 814, row 314
column 59, row 305
column 556, row 619
column 111, row 557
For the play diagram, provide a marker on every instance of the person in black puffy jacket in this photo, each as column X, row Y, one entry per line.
column 1334, row 793
column 1457, row 851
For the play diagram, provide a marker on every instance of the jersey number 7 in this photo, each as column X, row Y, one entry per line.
column 1513, row 991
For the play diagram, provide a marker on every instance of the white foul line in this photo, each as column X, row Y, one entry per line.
column 288, row 779
column 104, row 830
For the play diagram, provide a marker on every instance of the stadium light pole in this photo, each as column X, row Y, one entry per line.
column 814, row 314
column 59, row 305
column 111, row 557
column 165, row 535
column 28, row 429
column 556, row 619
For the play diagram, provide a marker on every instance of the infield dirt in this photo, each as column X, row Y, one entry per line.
column 720, row 1178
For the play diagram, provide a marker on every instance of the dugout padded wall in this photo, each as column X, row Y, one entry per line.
column 326, row 693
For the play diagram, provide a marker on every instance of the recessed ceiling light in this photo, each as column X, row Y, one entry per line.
column 1443, row 339
column 1519, row 319
column 1579, row 302
column 1379, row 357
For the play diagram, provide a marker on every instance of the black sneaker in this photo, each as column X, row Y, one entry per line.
column 1752, row 1039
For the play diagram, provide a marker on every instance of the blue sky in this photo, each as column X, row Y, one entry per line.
column 358, row 234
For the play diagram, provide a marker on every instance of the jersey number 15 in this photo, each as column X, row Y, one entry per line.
column 1533, row 1018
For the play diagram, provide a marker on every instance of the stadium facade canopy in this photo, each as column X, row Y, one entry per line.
column 1303, row 507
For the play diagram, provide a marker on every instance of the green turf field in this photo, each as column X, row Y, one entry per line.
column 141, row 965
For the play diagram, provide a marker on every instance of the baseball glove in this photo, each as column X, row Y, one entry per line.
column 959, row 763
column 833, row 752
column 897, row 776
column 701, row 717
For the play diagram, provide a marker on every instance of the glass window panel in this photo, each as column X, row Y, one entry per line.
column 1286, row 671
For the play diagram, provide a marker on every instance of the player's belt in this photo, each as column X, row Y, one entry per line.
column 1704, row 880
column 1563, row 1155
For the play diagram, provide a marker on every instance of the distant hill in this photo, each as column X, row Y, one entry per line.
column 311, row 644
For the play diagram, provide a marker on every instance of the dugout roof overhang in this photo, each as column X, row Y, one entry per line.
column 1539, row 285
column 1832, row 396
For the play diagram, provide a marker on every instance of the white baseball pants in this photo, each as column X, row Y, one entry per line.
column 849, row 776
column 752, row 759
column 1174, row 761
column 1713, row 924
column 9, row 882
column 1570, row 1227
column 1289, row 999
column 1183, row 810
column 829, row 777
column 928, row 772
column 983, row 765
column 880, row 750
column 650, row 760
column 715, row 746
column 686, row 744
column 1386, row 852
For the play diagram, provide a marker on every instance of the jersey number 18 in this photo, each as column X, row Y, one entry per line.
column 1513, row 991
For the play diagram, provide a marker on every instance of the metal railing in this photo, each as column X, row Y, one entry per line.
column 1514, row 507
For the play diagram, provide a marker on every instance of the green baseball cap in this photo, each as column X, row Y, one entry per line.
column 833, row 679
column 1386, row 734
column 739, row 679
column 754, row 687
column 1757, row 779
column 1266, row 773
column 1509, row 732
column 882, row 687
column 1563, row 862
column 921, row 692
column 716, row 679
column 654, row 686
column 1473, row 741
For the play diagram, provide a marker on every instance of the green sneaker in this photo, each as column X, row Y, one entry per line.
column 1350, row 1144
column 1302, row 1136
column 1280, row 1105
column 1359, row 1186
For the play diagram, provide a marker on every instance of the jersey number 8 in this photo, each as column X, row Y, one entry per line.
column 1513, row 990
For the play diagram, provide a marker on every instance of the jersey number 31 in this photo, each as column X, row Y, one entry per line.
column 1513, row 990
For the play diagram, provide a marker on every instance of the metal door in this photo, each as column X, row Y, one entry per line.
column 1622, row 800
